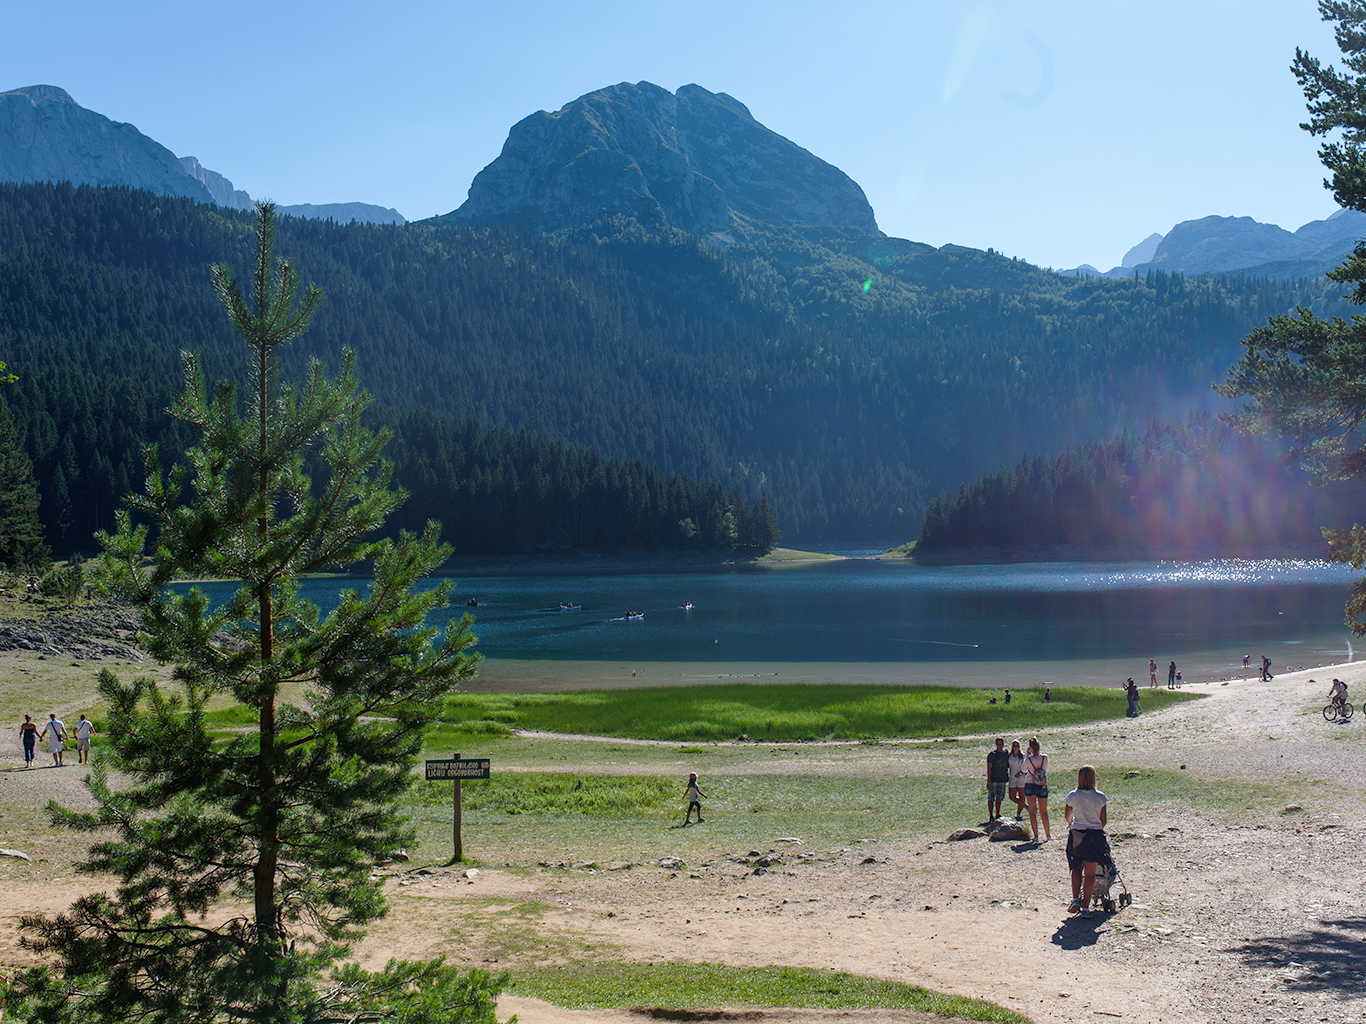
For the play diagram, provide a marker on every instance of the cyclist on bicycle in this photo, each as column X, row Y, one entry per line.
column 1338, row 693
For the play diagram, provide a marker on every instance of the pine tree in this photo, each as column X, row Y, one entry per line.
column 21, row 534
column 242, row 864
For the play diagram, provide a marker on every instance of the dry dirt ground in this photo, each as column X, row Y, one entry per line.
column 1233, row 919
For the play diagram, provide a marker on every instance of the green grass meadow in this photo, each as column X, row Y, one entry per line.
column 694, row 985
column 785, row 712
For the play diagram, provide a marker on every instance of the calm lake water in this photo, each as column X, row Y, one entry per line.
column 864, row 611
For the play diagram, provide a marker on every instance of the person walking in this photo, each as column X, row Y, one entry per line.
column 1036, row 789
column 84, row 728
column 28, row 733
column 695, row 796
column 55, row 731
column 998, row 778
column 1152, row 673
column 1087, row 846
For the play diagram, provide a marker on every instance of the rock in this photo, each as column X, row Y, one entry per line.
column 470, row 873
column 965, row 833
column 1132, row 775
column 15, row 853
column 586, row 865
column 400, row 856
column 1007, row 831
column 693, row 159
column 869, row 860
column 619, row 865
column 768, row 862
column 671, row 863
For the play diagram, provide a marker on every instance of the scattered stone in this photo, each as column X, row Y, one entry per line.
column 471, row 873
column 768, row 862
column 400, row 855
column 1132, row 775
column 1291, row 809
column 619, row 865
column 965, row 833
column 15, row 853
column 1008, row 831
column 760, row 871
column 671, row 863
column 585, row 865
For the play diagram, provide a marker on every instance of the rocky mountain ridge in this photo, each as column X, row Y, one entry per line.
column 45, row 135
column 693, row 159
column 1224, row 245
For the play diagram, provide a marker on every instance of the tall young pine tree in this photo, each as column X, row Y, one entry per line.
column 241, row 865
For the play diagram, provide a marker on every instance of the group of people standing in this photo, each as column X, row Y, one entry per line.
column 54, row 731
column 1024, row 778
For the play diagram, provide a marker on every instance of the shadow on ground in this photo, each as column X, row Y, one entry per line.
column 1328, row 958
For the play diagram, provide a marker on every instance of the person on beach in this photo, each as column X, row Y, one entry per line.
column 28, row 732
column 998, row 778
column 1036, row 789
column 1171, row 676
column 1086, row 843
column 1247, row 661
column 1015, row 773
column 84, row 728
column 1152, row 673
column 1178, row 679
column 1266, row 669
column 695, row 796
column 55, row 731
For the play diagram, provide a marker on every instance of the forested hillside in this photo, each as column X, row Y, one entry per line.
column 1199, row 488
column 848, row 377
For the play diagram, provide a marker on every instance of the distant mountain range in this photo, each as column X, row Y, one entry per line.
column 45, row 135
column 1241, row 245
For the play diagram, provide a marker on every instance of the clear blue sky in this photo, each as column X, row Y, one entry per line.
column 1059, row 132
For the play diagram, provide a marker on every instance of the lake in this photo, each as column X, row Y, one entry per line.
column 859, row 619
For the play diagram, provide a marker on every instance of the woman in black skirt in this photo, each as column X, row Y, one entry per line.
column 1086, row 842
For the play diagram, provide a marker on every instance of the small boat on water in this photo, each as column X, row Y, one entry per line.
column 632, row 615
column 567, row 607
column 686, row 606
column 472, row 603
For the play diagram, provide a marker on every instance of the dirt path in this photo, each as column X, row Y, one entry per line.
column 1257, row 919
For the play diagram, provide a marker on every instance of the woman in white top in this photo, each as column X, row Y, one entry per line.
column 1015, row 784
column 1036, row 789
column 1086, row 843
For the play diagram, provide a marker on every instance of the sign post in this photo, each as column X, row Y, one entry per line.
column 457, row 769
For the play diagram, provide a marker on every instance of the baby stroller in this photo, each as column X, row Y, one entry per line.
column 1107, row 877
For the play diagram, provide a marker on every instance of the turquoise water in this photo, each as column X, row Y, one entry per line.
column 889, row 612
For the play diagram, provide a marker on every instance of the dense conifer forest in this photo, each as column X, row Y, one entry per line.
column 840, row 380
column 1199, row 488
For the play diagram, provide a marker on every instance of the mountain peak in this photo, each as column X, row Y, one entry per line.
column 42, row 94
column 694, row 159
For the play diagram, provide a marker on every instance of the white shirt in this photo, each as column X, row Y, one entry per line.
column 1086, row 805
column 84, row 728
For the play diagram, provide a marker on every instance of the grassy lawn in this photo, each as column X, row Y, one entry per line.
column 693, row 985
column 785, row 713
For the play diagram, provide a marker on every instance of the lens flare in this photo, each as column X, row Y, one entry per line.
column 867, row 284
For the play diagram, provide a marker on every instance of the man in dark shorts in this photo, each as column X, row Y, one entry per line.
column 998, row 778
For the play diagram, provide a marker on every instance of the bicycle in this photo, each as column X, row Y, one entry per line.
column 1334, row 712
